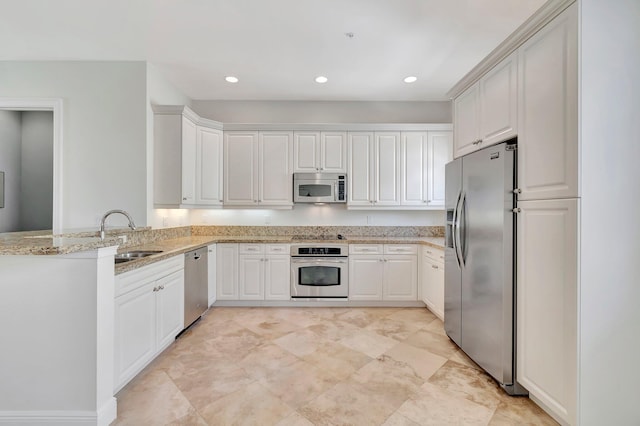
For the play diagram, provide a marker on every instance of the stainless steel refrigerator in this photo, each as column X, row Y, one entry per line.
column 479, row 306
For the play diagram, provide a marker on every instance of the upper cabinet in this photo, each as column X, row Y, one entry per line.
column 374, row 169
column 548, row 111
column 486, row 113
column 187, row 159
column 316, row 152
column 424, row 155
column 258, row 169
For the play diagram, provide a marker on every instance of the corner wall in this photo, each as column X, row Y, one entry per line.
column 10, row 154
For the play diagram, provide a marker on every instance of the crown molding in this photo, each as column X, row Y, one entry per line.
column 337, row 127
column 542, row 17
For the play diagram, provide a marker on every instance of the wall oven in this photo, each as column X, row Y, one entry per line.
column 319, row 271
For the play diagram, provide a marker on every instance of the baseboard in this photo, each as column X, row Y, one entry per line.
column 103, row 417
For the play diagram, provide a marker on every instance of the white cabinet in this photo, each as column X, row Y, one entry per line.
column 320, row 152
column 374, row 169
column 211, row 273
column 227, row 271
column 424, row 155
column 548, row 111
column 486, row 113
column 149, row 313
column 546, row 303
column 187, row 159
column 253, row 272
column 378, row 272
column 258, row 169
column 432, row 280
column 208, row 170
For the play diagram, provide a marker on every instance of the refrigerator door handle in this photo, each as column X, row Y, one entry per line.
column 453, row 227
column 457, row 239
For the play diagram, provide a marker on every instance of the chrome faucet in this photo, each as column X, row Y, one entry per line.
column 110, row 212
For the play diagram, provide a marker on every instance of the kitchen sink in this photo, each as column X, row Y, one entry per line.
column 134, row 255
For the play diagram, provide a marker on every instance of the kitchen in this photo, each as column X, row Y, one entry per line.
column 100, row 94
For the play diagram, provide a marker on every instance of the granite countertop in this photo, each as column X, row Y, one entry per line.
column 45, row 243
column 182, row 245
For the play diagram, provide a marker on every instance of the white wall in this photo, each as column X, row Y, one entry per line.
column 10, row 136
column 324, row 112
column 160, row 92
column 610, row 231
column 36, row 186
column 104, row 133
column 316, row 215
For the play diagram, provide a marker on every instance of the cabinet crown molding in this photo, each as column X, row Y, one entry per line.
column 539, row 19
column 187, row 112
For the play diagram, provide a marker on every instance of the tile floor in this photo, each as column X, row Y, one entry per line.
column 318, row 366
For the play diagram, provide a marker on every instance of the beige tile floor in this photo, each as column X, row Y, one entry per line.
column 318, row 366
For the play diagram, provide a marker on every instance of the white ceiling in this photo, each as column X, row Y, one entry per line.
column 275, row 47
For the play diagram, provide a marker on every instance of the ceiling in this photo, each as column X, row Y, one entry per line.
column 275, row 47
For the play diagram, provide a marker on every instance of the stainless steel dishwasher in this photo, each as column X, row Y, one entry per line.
column 196, row 298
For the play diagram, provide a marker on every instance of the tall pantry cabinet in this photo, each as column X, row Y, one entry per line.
column 545, row 63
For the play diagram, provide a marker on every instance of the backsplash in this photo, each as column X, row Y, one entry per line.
column 361, row 231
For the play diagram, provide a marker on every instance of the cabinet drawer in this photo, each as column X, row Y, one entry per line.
column 433, row 254
column 365, row 249
column 131, row 280
column 246, row 248
column 400, row 249
column 277, row 248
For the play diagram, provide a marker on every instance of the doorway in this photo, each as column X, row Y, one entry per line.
column 30, row 165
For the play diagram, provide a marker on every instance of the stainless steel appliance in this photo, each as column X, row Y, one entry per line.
column 479, row 307
column 319, row 271
column 319, row 188
column 196, row 298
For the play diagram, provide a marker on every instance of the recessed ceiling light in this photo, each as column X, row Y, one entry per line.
column 410, row 79
column 321, row 79
column 231, row 79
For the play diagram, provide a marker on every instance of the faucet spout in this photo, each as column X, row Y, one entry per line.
column 132, row 225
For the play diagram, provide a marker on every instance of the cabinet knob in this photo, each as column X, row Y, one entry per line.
column 155, row 289
column 184, row 198
column 434, row 266
column 517, row 210
column 517, row 191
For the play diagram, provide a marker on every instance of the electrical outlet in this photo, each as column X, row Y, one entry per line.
column 165, row 221
column 369, row 220
column 267, row 219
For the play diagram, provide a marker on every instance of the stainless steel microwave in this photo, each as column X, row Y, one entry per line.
column 319, row 188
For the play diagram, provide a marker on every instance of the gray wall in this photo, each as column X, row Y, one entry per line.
column 104, row 132
column 324, row 112
column 36, row 188
column 10, row 128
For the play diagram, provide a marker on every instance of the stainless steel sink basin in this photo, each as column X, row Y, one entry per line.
column 134, row 255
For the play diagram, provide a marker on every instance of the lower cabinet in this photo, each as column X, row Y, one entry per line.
column 432, row 279
column 253, row 272
column 383, row 272
column 211, row 273
column 547, row 304
column 149, row 313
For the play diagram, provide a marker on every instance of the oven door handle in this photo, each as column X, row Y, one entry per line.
column 294, row 260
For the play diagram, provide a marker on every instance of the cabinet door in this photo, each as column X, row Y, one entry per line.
column 169, row 308
column 365, row 277
column 498, row 102
column 306, row 147
column 359, row 175
column 547, row 303
column 211, row 273
column 276, row 155
column 277, row 282
column 189, row 136
column 400, row 278
column 548, row 111
column 439, row 153
column 208, row 167
column 251, row 277
column 387, row 169
column 415, row 163
column 227, row 272
column 333, row 152
column 135, row 332
column 466, row 121
column 240, row 168
column 433, row 286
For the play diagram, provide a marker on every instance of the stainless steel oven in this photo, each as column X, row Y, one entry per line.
column 319, row 271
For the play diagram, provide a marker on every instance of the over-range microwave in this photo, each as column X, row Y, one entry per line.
column 319, row 188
